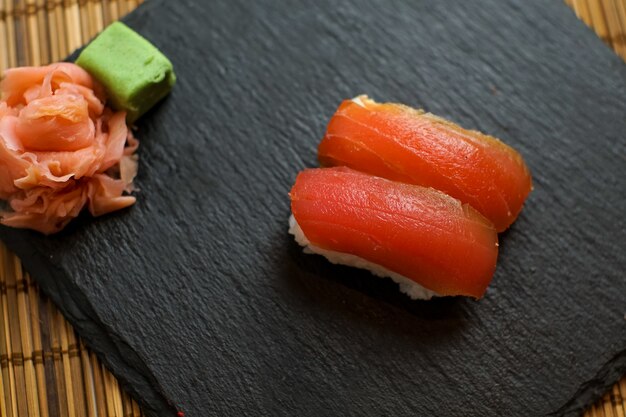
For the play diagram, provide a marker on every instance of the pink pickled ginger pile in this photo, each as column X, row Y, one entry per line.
column 61, row 149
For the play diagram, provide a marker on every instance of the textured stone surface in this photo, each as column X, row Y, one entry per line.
column 197, row 297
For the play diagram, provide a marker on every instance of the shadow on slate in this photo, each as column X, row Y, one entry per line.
column 198, row 299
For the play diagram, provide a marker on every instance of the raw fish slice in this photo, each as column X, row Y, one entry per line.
column 403, row 144
column 418, row 233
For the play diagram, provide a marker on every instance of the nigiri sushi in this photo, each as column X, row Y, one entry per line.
column 427, row 241
column 403, row 144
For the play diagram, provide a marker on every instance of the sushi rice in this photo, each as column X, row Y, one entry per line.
column 407, row 286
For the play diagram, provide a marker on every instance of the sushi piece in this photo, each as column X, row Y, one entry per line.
column 403, row 144
column 427, row 241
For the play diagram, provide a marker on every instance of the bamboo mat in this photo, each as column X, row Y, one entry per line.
column 45, row 369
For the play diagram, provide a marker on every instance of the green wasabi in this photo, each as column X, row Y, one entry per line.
column 134, row 72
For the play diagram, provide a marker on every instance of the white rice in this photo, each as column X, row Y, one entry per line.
column 358, row 100
column 407, row 286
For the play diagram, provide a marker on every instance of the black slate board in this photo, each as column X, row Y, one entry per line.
column 199, row 300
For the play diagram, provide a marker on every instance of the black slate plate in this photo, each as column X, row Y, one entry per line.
column 198, row 299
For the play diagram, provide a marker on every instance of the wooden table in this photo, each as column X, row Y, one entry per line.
column 45, row 369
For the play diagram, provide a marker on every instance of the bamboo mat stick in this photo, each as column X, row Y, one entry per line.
column 113, row 395
column 598, row 19
column 21, row 31
column 126, row 407
column 88, row 381
column 72, row 25
column 4, row 57
column 55, row 346
column 10, row 33
column 114, row 13
column 61, row 38
column 3, row 403
column 618, row 401
column 5, row 346
column 622, row 390
column 96, row 18
column 621, row 14
column 30, row 378
column 72, row 401
column 582, row 11
column 99, row 386
column 78, row 386
column 32, row 26
column 616, row 30
column 15, row 349
column 85, row 28
column 38, row 356
column 608, row 405
column 52, row 396
column 135, row 408
column 613, row 24
column 106, row 10
column 53, row 33
column 122, row 7
column 44, row 37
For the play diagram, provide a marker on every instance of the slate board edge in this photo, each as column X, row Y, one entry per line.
column 127, row 366
column 123, row 362
column 590, row 391
column 133, row 375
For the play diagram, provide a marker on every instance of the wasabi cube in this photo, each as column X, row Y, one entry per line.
column 134, row 72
